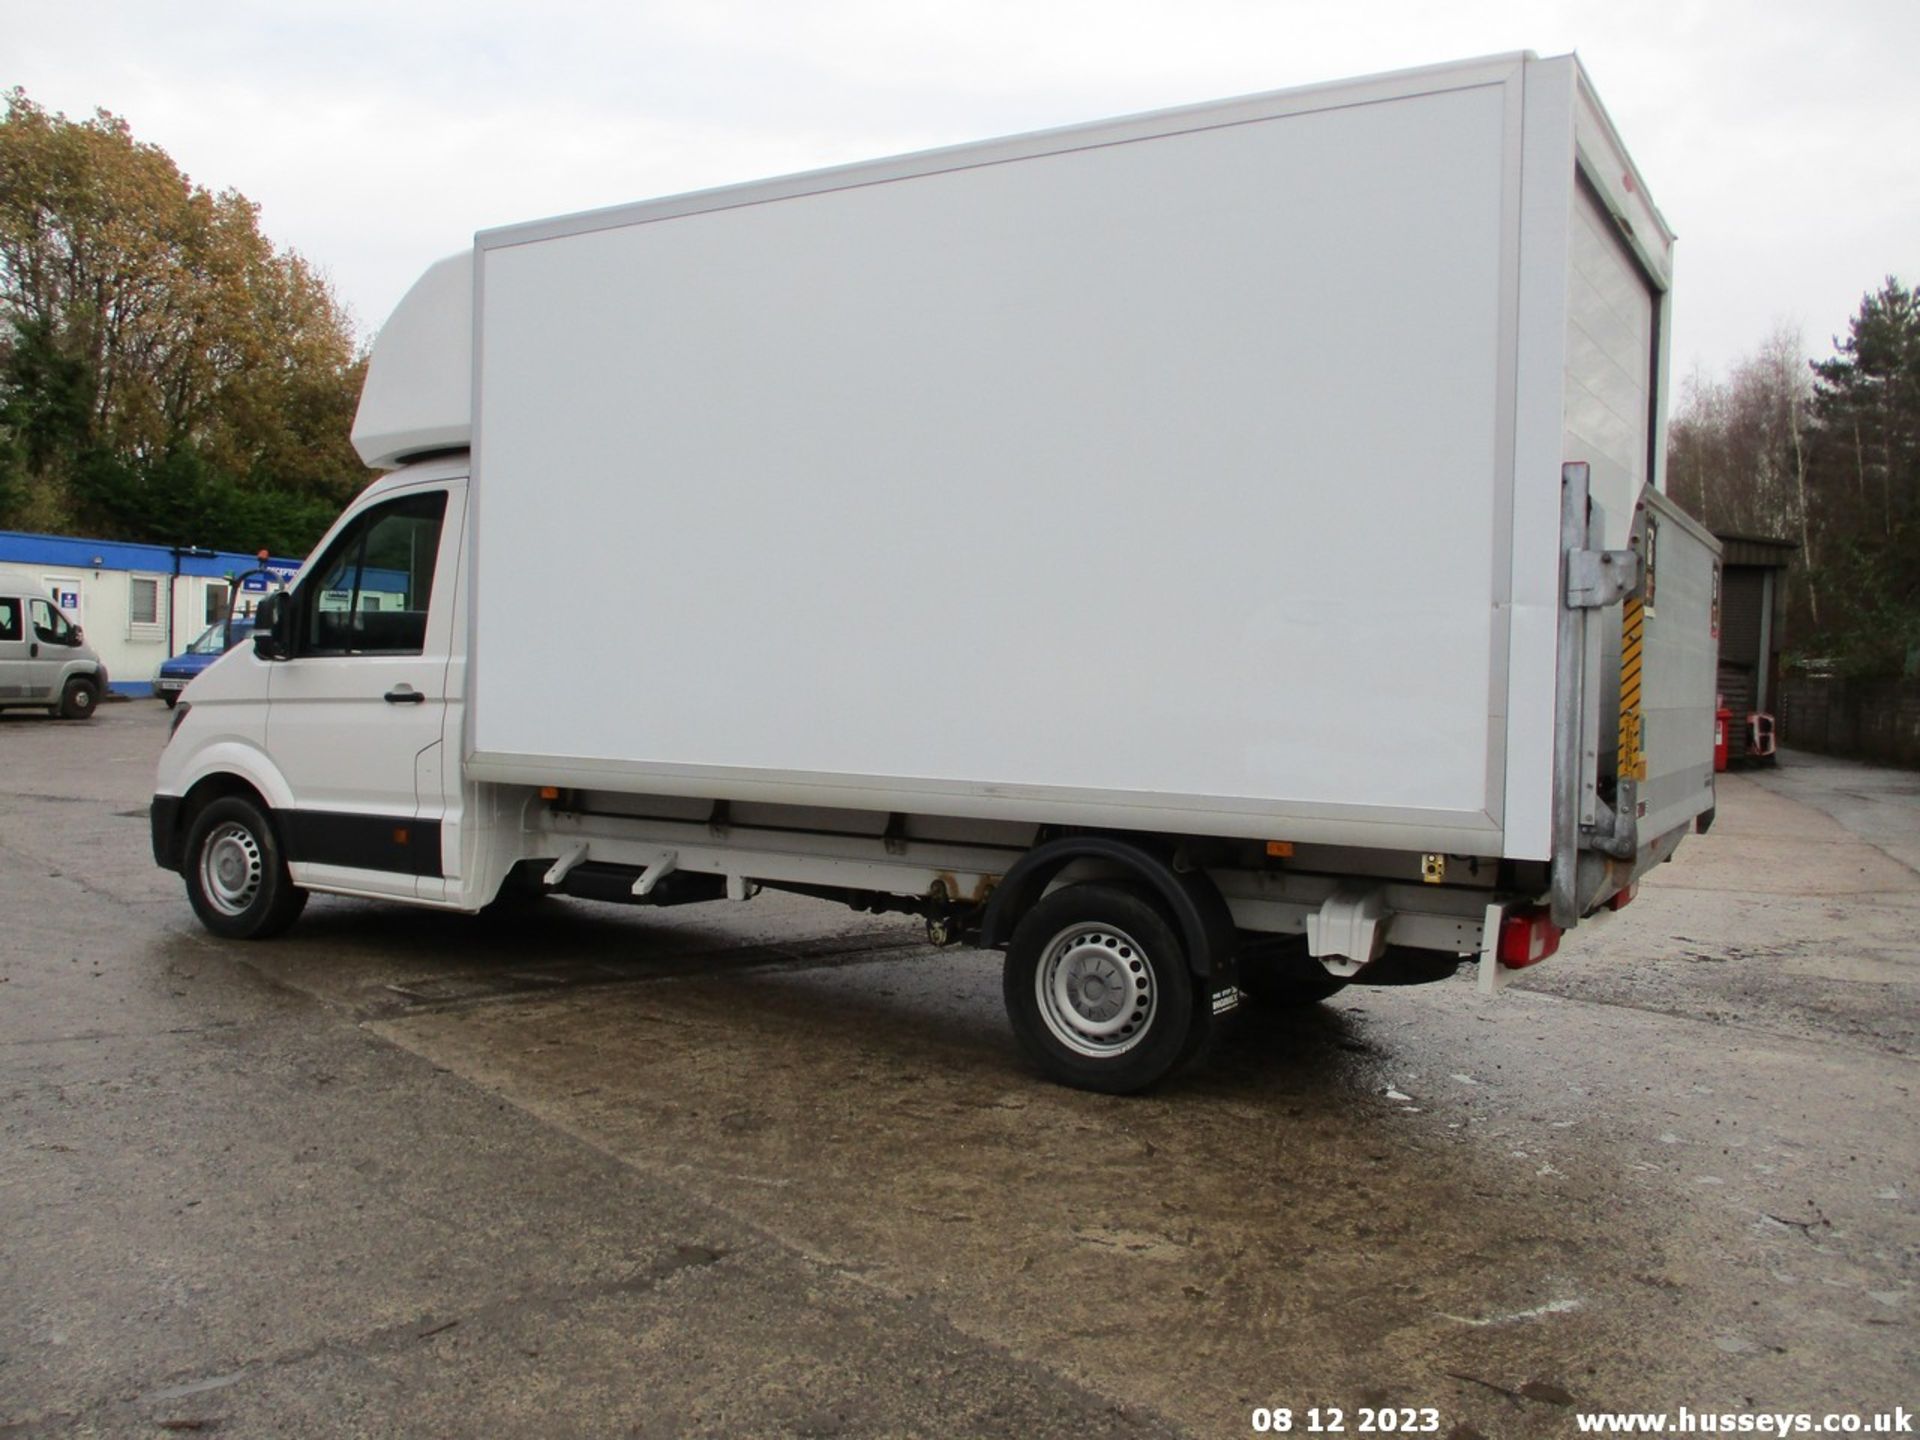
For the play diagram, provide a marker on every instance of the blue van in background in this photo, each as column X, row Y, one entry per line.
column 208, row 646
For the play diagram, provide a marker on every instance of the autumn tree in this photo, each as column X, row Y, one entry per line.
column 166, row 373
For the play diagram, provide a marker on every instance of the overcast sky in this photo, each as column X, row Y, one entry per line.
column 1778, row 136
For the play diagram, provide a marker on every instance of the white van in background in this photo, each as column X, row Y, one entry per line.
column 45, row 660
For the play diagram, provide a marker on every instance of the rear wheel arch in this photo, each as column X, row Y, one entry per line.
column 1190, row 901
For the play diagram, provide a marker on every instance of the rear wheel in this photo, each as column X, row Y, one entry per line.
column 236, row 876
column 1098, row 988
column 78, row 699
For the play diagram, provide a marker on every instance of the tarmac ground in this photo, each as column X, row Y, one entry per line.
column 779, row 1169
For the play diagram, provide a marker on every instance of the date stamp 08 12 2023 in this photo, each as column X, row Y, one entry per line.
column 1332, row 1420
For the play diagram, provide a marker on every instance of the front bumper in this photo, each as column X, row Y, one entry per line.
column 169, row 844
column 168, row 684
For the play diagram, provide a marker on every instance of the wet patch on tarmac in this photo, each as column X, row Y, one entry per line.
column 1276, row 1227
column 406, row 1159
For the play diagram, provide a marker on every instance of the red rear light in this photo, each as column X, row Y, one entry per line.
column 1623, row 898
column 1527, row 937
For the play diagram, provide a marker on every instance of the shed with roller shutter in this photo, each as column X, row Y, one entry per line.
column 1753, row 611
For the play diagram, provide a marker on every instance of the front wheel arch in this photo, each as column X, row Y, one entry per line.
column 219, row 786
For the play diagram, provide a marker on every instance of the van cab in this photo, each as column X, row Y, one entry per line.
column 45, row 660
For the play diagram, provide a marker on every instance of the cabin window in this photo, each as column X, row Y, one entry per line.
column 143, row 601
column 371, row 591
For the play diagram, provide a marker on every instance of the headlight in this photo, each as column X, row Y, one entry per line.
column 179, row 714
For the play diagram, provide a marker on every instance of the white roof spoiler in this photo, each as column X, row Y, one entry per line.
column 418, row 395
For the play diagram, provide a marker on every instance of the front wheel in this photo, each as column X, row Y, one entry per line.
column 1099, row 991
column 170, row 697
column 78, row 699
column 236, row 876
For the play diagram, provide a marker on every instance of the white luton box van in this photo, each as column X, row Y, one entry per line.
column 1209, row 552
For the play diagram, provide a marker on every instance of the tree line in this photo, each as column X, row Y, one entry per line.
column 166, row 373
column 1827, row 454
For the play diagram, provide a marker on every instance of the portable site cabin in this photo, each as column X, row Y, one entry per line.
column 137, row 603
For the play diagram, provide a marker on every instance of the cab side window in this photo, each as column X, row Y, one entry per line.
column 10, row 619
column 49, row 625
column 370, row 593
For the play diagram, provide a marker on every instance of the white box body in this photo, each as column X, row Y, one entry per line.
column 1196, row 473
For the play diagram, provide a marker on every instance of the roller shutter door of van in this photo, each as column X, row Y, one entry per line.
column 1610, row 361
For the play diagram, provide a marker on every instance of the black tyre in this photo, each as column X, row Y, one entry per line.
column 171, row 698
column 1098, row 988
column 236, row 876
column 1279, row 974
column 79, row 699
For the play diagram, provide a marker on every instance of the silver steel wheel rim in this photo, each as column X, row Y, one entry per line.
column 1096, row 990
column 231, row 868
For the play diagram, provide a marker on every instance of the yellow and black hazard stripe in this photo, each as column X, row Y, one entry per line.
column 1632, row 762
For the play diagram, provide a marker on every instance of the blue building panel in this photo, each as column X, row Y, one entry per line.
column 66, row 552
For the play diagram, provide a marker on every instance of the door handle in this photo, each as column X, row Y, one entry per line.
column 33, row 651
column 405, row 695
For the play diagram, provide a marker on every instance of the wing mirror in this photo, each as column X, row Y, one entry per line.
column 273, row 628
